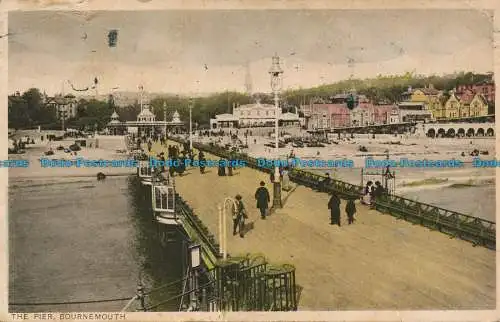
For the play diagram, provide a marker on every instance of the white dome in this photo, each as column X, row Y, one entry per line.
column 146, row 112
column 114, row 115
column 146, row 116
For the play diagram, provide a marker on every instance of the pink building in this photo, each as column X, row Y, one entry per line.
column 486, row 88
column 328, row 116
column 382, row 113
column 368, row 114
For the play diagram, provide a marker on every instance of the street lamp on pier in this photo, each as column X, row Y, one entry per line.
column 165, row 117
column 276, row 85
column 191, row 125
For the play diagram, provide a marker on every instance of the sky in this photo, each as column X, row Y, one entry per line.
column 194, row 52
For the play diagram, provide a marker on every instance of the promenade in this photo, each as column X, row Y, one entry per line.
column 379, row 262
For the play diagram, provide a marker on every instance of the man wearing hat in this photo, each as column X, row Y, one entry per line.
column 334, row 206
column 239, row 216
column 263, row 199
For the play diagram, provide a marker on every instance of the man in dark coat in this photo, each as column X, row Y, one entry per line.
column 334, row 206
column 201, row 158
column 162, row 159
column 379, row 190
column 263, row 199
column 350, row 210
column 325, row 183
column 222, row 168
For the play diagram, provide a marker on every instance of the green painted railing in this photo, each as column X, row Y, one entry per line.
column 198, row 232
column 476, row 230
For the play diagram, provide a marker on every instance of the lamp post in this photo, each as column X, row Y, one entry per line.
column 276, row 84
column 165, row 117
column 190, row 125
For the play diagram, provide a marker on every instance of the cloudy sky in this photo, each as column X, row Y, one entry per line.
column 167, row 51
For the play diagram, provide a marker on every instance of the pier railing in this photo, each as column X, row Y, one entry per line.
column 198, row 232
column 473, row 229
column 242, row 283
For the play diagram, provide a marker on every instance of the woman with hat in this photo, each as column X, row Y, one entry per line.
column 239, row 216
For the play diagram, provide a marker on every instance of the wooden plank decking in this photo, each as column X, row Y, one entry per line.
column 379, row 262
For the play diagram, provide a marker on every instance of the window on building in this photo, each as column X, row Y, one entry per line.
column 267, row 113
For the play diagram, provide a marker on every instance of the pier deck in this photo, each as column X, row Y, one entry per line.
column 379, row 262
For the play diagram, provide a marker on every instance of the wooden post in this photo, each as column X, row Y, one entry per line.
column 204, row 306
column 140, row 296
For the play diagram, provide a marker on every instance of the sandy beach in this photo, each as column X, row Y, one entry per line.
column 108, row 146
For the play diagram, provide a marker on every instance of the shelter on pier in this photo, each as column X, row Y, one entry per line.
column 145, row 125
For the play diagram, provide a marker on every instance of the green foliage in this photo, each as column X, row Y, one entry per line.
column 27, row 110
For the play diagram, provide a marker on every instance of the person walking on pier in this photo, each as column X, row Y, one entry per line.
column 367, row 197
column 201, row 158
column 325, row 183
column 222, row 168
column 239, row 216
column 162, row 158
column 150, row 145
column 263, row 199
column 334, row 206
column 350, row 210
column 378, row 191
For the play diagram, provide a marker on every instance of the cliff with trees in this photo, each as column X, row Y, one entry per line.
column 27, row 110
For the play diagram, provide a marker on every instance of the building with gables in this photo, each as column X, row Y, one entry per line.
column 467, row 105
column 254, row 115
column 485, row 88
column 324, row 116
column 65, row 106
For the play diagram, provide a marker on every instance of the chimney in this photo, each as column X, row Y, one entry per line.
column 431, row 86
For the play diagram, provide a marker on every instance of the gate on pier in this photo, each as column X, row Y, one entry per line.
column 386, row 177
column 250, row 284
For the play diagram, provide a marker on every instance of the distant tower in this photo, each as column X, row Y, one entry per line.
column 351, row 64
column 248, row 80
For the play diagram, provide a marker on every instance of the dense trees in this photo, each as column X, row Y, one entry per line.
column 28, row 110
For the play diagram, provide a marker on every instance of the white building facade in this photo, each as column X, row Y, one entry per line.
column 254, row 115
column 414, row 111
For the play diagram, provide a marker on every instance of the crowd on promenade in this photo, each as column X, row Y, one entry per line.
column 262, row 195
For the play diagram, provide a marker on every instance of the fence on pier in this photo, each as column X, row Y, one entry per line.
column 242, row 283
column 251, row 285
column 476, row 230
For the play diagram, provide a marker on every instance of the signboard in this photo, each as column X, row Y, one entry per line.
column 195, row 255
